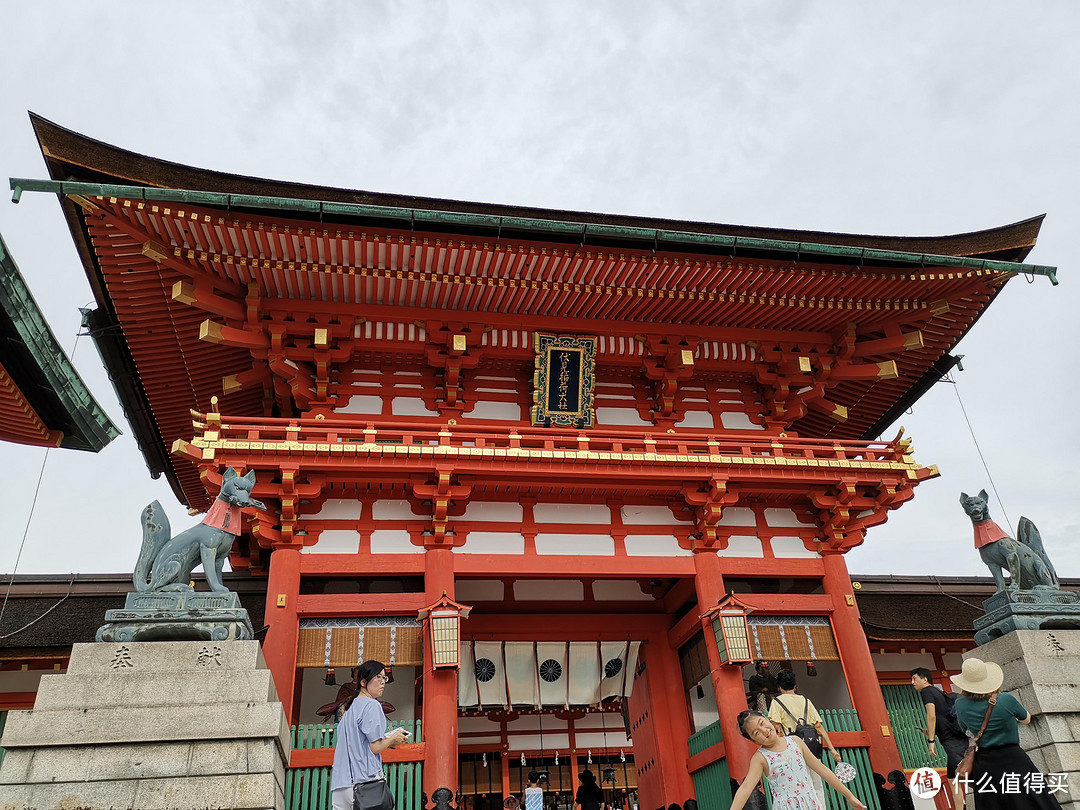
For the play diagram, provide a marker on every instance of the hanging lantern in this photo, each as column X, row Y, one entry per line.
column 444, row 629
column 732, row 632
column 330, row 679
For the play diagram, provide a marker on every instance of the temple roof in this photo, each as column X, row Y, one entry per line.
column 43, row 401
column 907, row 608
column 144, row 226
column 70, row 155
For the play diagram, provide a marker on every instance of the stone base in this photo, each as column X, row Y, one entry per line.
column 1039, row 609
column 1041, row 669
column 155, row 726
column 177, row 616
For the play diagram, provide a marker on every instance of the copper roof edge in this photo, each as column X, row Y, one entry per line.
column 65, row 150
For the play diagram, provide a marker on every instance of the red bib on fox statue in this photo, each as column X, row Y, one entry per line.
column 226, row 516
column 986, row 533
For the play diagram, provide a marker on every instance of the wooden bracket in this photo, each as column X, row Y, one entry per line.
column 452, row 348
column 443, row 494
column 667, row 364
column 708, row 502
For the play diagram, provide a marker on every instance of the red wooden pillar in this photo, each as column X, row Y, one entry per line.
column 727, row 680
column 670, row 720
column 859, row 666
column 440, row 688
column 279, row 646
column 505, row 773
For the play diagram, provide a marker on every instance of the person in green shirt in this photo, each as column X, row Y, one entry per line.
column 1003, row 776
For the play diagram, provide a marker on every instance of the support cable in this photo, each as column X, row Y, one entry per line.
column 982, row 458
column 22, row 543
column 26, row 528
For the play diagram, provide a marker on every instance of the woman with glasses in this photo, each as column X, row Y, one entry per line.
column 361, row 739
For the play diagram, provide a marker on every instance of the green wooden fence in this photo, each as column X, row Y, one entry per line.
column 3, row 721
column 907, row 714
column 712, row 784
column 863, row 785
column 309, row 788
column 705, row 738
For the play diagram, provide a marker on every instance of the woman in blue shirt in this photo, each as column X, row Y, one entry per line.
column 362, row 737
column 1003, row 776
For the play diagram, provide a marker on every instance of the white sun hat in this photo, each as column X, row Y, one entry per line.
column 979, row 677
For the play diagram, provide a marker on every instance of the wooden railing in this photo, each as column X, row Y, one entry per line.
column 712, row 782
column 839, row 721
column 365, row 436
column 706, row 737
column 307, row 780
column 908, row 715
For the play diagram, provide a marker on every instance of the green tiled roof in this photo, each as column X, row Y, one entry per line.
column 38, row 365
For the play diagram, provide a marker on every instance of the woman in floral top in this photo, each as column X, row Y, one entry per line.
column 786, row 763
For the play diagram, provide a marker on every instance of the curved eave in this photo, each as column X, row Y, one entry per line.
column 74, row 159
column 70, row 155
column 43, row 399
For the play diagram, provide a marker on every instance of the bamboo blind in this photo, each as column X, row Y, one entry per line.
column 346, row 649
column 789, row 642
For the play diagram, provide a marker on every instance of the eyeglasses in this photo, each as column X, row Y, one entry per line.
column 381, row 677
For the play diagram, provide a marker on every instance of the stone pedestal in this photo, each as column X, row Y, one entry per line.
column 1042, row 608
column 178, row 616
column 1042, row 671
column 154, row 726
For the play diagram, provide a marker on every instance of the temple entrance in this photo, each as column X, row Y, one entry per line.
column 553, row 707
column 488, row 778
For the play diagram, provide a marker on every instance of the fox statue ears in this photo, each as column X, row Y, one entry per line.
column 230, row 474
column 982, row 496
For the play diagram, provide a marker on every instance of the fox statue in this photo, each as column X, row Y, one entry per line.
column 1023, row 557
column 165, row 562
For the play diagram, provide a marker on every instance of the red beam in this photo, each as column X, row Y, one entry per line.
column 707, row 757
column 762, row 567
column 686, row 628
column 367, row 564
column 573, row 566
column 324, row 757
column 567, row 566
column 17, row 700
column 578, row 627
column 796, row 604
column 352, row 604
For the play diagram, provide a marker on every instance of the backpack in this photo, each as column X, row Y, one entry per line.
column 804, row 730
column 950, row 714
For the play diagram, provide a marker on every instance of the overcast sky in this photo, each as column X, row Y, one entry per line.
column 915, row 118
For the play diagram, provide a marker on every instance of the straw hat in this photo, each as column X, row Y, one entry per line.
column 979, row 677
